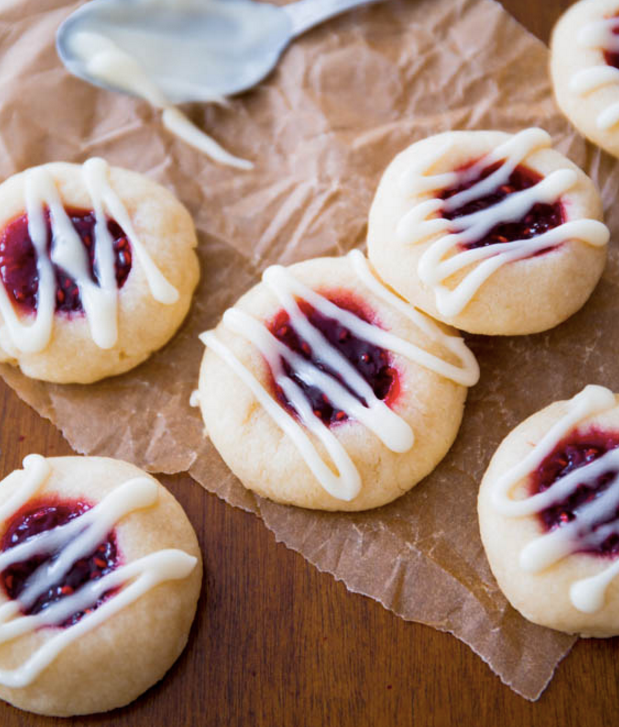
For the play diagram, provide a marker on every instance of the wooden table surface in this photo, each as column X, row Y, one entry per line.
column 278, row 644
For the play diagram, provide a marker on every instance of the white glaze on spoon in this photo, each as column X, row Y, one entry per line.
column 71, row 542
column 586, row 531
column 376, row 416
column 106, row 62
column 442, row 258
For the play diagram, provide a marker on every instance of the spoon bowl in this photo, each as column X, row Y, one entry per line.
column 194, row 50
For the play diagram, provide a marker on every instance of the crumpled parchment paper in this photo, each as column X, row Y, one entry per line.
column 344, row 100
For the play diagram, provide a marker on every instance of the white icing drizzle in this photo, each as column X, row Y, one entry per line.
column 376, row 416
column 587, row 594
column 347, row 483
column 72, row 542
column 106, row 62
column 442, row 259
column 100, row 301
column 599, row 36
column 194, row 399
column 466, row 374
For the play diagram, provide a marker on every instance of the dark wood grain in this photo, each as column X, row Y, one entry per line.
column 278, row 644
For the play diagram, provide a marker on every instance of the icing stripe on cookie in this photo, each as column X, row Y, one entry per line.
column 599, row 35
column 100, row 301
column 590, row 527
column 442, row 259
column 72, row 542
column 375, row 415
column 347, row 483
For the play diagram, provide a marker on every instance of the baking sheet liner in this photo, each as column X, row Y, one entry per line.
column 344, row 100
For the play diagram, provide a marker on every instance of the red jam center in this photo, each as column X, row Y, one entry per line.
column 576, row 450
column 37, row 517
column 373, row 363
column 612, row 58
column 539, row 219
column 18, row 261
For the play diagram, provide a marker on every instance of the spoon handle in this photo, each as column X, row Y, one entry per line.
column 305, row 14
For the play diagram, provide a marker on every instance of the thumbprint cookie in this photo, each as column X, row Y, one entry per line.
column 323, row 389
column 549, row 515
column 489, row 232
column 100, row 574
column 584, row 67
column 97, row 270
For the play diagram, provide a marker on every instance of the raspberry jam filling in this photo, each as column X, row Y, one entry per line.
column 540, row 218
column 612, row 57
column 374, row 364
column 577, row 450
column 18, row 261
column 37, row 517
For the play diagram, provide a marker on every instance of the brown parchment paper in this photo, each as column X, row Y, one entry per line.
column 344, row 100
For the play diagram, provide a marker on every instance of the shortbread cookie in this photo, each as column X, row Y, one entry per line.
column 97, row 270
column 490, row 232
column 584, row 67
column 323, row 389
column 100, row 574
column 549, row 515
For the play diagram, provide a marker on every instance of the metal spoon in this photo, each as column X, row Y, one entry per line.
column 196, row 50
